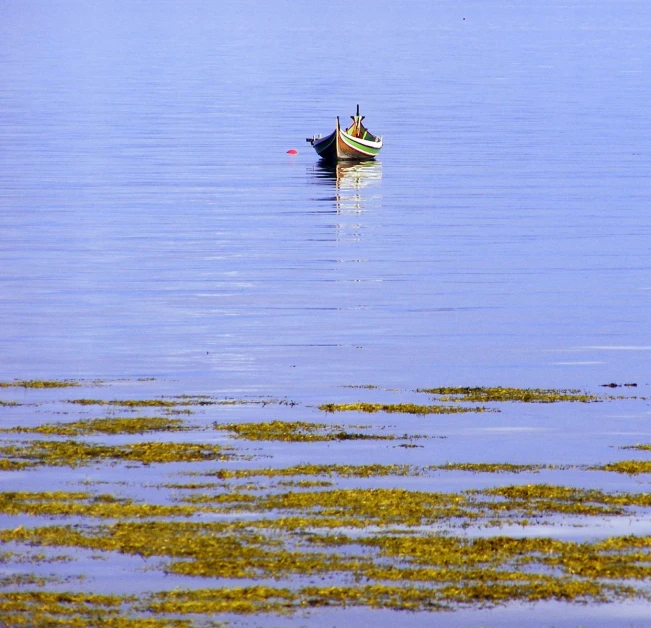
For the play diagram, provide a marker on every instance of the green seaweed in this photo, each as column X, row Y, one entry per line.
column 111, row 425
column 359, row 507
column 59, row 503
column 400, row 408
column 181, row 400
column 77, row 453
column 76, row 610
column 375, row 545
column 295, row 431
column 40, row 383
column 453, row 569
column 639, row 447
column 503, row 394
column 327, row 470
column 486, row 467
column 129, row 403
column 630, row 467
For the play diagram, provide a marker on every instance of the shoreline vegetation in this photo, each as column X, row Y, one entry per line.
column 212, row 498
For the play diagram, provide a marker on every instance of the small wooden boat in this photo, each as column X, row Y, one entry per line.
column 354, row 143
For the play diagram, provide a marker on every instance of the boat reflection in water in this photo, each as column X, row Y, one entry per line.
column 357, row 184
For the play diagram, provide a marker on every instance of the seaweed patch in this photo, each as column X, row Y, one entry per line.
column 504, row 394
column 75, row 453
column 111, row 425
column 629, row 467
column 398, row 408
column 296, row 431
column 60, row 503
column 329, row 525
column 41, row 383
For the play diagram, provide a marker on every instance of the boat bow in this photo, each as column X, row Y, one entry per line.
column 354, row 143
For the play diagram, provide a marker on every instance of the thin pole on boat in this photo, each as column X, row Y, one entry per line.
column 358, row 121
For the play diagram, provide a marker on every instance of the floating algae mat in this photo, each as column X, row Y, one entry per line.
column 114, row 425
column 258, row 512
column 77, row 453
column 297, row 431
column 395, row 408
column 40, row 383
column 521, row 395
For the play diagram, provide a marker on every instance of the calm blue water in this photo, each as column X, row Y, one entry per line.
column 153, row 225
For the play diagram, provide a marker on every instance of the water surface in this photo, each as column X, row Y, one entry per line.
column 153, row 225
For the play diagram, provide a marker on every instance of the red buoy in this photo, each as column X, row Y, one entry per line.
column 292, row 151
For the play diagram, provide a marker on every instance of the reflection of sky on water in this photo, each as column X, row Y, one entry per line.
column 149, row 214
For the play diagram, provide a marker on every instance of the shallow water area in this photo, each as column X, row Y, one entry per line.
column 220, row 505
